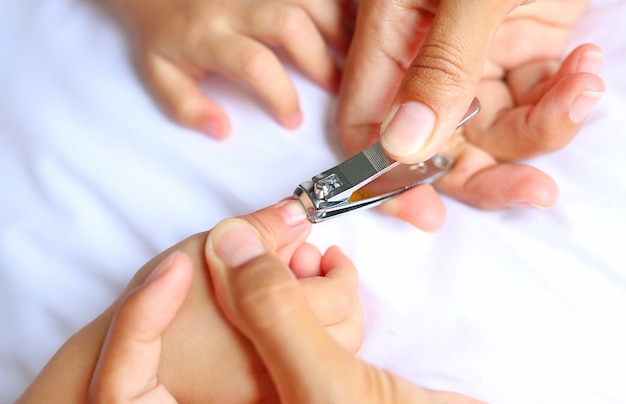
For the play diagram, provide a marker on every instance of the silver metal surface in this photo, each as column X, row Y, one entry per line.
column 367, row 179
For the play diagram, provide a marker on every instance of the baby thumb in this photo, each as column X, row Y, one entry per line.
column 262, row 298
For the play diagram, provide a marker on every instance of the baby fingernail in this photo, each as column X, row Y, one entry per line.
column 293, row 211
column 582, row 105
column 407, row 129
column 235, row 242
column 531, row 205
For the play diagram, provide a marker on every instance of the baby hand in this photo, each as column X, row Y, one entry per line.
column 180, row 42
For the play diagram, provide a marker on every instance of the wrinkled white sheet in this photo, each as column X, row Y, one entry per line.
column 520, row 306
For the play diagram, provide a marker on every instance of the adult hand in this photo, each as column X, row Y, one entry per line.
column 260, row 295
column 414, row 67
column 166, row 337
column 179, row 42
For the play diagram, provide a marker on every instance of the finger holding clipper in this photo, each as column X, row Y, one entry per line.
column 440, row 83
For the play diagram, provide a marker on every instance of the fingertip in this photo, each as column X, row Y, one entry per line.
column 586, row 58
column 162, row 269
column 259, row 67
column 305, row 262
column 335, row 251
column 175, row 273
column 335, row 258
column 578, row 76
column 591, row 60
column 182, row 100
column 283, row 226
column 540, row 192
column 572, row 98
column 215, row 126
column 293, row 212
column 412, row 132
column 233, row 242
column 503, row 186
column 200, row 114
column 292, row 121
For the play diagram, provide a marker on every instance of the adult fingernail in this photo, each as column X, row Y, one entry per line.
column 582, row 105
column 533, row 205
column 407, row 129
column 293, row 211
column 235, row 242
column 590, row 62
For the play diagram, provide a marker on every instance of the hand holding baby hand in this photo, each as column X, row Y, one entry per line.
column 259, row 294
column 169, row 339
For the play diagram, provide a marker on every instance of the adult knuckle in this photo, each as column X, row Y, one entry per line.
column 262, row 306
column 441, row 65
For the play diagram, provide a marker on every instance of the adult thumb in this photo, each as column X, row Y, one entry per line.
column 439, row 85
column 262, row 298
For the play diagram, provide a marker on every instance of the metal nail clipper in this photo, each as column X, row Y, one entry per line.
column 367, row 179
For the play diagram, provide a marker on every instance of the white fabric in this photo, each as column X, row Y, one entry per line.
column 520, row 306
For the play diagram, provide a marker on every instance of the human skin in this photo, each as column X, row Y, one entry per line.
column 257, row 291
column 178, row 43
column 203, row 357
column 415, row 65
column 403, row 54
